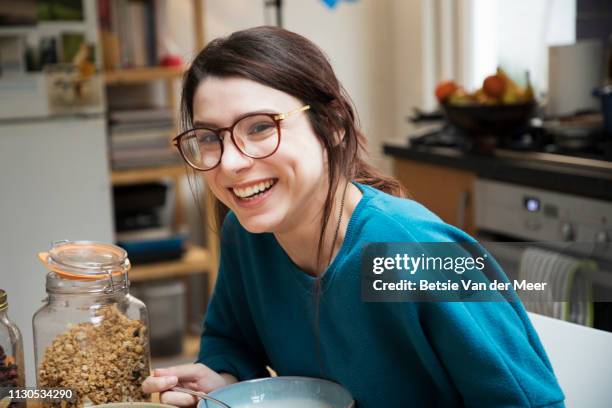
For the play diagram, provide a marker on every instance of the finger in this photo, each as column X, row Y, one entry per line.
column 193, row 385
column 179, row 399
column 186, row 372
column 158, row 384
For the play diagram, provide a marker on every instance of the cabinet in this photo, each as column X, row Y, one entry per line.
column 447, row 192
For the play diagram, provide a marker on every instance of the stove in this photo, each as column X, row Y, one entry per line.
column 594, row 146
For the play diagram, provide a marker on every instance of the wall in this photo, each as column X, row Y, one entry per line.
column 412, row 44
column 226, row 16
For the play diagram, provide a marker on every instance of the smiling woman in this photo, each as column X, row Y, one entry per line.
column 276, row 137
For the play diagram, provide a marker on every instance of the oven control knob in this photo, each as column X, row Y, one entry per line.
column 602, row 237
column 567, row 231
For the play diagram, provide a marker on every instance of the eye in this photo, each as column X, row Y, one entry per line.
column 260, row 127
column 208, row 137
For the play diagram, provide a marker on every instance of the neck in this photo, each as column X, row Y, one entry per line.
column 301, row 242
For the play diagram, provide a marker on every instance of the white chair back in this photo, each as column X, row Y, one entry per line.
column 582, row 360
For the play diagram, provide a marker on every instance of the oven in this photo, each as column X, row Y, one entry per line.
column 518, row 224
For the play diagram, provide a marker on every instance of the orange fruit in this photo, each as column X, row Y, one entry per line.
column 445, row 89
column 494, row 86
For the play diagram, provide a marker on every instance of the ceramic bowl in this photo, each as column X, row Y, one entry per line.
column 282, row 392
column 499, row 120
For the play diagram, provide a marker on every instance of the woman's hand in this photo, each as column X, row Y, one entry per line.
column 197, row 377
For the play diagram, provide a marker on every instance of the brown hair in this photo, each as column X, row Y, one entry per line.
column 288, row 62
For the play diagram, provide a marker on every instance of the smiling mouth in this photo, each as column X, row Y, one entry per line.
column 254, row 191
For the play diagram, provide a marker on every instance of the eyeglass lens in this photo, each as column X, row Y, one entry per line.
column 255, row 136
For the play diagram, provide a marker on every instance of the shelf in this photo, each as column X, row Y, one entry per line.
column 146, row 175
column 140, row 75
column 195, row 260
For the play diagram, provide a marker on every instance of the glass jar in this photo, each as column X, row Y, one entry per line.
column 11, row 352
column 91, row 335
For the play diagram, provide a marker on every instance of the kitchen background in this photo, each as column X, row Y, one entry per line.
column 88, row 94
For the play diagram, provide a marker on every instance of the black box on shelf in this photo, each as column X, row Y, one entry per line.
column 142, row 206
column 139, row 197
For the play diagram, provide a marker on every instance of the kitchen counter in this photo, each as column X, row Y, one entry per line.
column 568, row 174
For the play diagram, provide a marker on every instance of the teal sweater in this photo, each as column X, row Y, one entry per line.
column 387, row 354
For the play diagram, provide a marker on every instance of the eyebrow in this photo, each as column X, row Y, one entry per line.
column 199, row 123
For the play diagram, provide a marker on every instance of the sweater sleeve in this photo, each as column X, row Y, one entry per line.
column 229, row 342
column 491, row 353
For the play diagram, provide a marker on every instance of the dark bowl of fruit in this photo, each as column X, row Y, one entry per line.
column 499, row 108
column 496, row 120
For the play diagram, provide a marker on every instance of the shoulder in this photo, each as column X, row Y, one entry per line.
column 396, row 219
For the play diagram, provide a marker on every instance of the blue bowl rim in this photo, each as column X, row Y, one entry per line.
column 288, row 377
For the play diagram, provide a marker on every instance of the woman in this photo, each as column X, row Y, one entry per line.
column 276, row 137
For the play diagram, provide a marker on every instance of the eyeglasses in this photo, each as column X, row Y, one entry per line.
column 256, row 135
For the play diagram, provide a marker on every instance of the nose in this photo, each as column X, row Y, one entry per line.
column 232, row 159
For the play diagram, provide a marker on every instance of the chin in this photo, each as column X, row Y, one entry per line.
column 258, row 224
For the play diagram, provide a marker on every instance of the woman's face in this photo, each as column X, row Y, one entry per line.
column 292, row 178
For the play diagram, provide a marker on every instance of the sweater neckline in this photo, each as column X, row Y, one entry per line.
column 308, row 281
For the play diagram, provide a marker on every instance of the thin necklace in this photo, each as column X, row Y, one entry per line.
column 338, row 224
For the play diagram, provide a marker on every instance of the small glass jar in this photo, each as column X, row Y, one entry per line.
column 11, row 351
column 91, row 335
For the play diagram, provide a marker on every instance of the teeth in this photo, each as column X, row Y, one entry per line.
column 254, row 189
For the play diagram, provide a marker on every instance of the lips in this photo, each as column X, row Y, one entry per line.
column 253, row 190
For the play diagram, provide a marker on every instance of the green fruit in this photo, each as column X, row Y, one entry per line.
column 510, row 97
column 460, row 100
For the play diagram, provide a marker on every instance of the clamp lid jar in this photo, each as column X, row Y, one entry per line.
column 91, row 335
